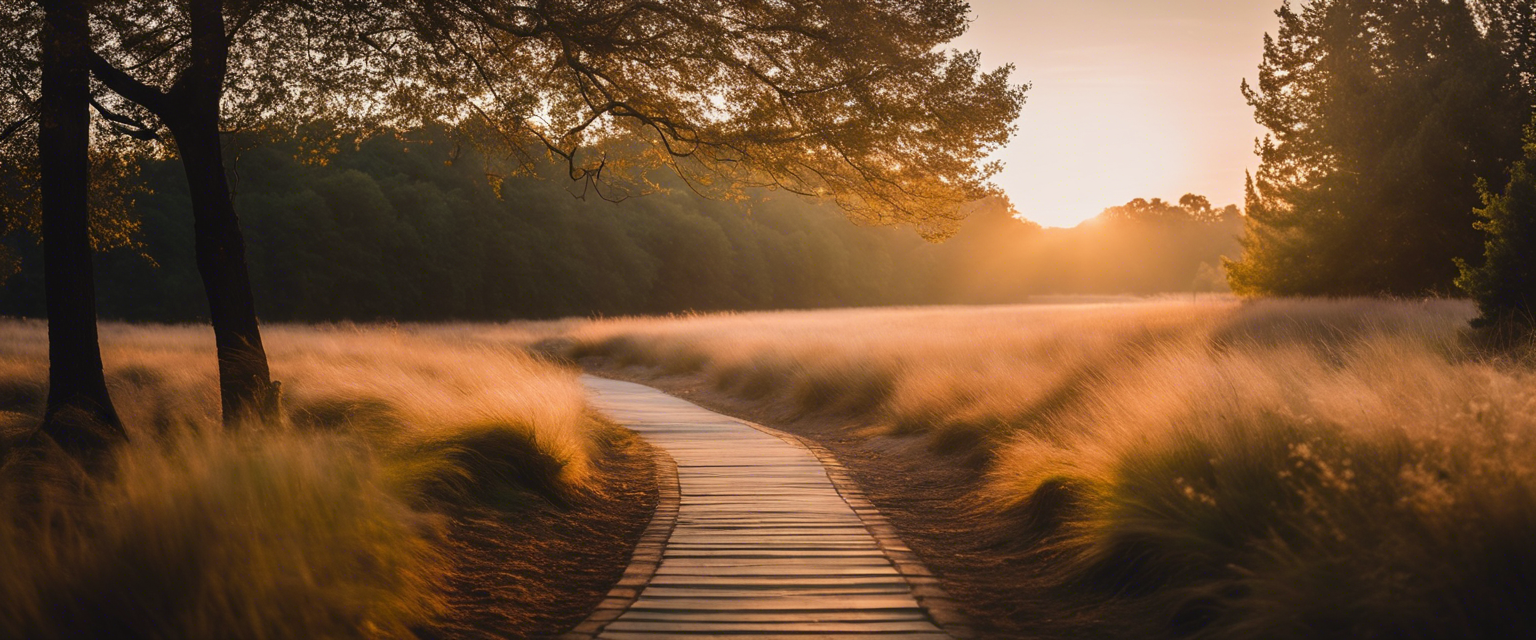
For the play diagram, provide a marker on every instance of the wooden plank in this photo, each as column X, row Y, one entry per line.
column 773, row 581
column 773, row 616
column 809, row 570
column 783, row 591
column 712, row 628
column 891, row 603
column 763, row 544
column 774, row 553
column 721, row 561
column 811, row 635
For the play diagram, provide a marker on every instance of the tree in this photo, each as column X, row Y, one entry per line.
column 72, row 196
column 1382, row 117
column 287, row 52
column 839, row 99
column 1504, row 286
column 79, row 415
column 848, row 100
column 1512, row 24
column 1192, row 209
column 191, row 109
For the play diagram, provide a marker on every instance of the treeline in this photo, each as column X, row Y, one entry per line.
column 1142, row 247
column 413, row 228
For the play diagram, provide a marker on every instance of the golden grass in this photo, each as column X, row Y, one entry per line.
column 325, row 526
column 1285, row 469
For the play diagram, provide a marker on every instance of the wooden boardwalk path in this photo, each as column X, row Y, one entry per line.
column 758, row 539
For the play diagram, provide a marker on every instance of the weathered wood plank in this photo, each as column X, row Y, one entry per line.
column 691, row 627
column 776, row 616
column 888, row 603
column 813, row 635
column 762, row 544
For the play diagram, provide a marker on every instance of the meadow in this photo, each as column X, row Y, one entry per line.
column 1148, row 468
column 423, row 481
column 1216, row 469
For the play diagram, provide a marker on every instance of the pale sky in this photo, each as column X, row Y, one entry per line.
column 1130, row 99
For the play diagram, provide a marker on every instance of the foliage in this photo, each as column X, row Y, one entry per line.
column 1512, row 23
column 853, row 100
column 1381, row 116
column 1504, row 286
column 406, row 227
column 114, row 186
column 1190, row 209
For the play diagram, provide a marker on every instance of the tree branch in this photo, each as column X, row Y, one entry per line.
column 127, row 86
column 126, row 125
column 11, row 129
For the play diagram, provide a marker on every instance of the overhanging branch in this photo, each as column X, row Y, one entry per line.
column 125, row 125
column 127, row 86
column 12, row 128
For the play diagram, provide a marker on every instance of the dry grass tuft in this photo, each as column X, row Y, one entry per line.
column 1284, row 469
column 329, row 525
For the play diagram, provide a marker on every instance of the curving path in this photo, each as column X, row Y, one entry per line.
column 758, row 539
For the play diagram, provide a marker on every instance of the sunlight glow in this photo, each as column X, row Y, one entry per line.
column 1147, row 106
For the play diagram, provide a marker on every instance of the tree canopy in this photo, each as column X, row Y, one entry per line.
column 1504, row 284
column 114, row 187
column 1382, row 116
column 850, row 101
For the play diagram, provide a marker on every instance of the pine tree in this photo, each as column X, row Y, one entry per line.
column 1504, row 286
column 1382, row 117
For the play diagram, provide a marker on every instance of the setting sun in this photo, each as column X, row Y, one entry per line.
column 1127, row 100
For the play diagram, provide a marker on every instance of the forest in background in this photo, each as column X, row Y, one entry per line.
column 418, row 227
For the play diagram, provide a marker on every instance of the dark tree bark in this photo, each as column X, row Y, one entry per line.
column 190, row 109
column 245, row 383
column 79, row 414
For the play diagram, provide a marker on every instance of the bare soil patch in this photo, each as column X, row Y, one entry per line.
column 537, row 568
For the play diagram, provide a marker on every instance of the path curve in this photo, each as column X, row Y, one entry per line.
column 762, row 535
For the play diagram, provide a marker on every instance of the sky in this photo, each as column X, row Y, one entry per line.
column 1129, row 99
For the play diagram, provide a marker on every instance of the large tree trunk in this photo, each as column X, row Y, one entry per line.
column 190, row 108
column 79, row 415
column 245, row 384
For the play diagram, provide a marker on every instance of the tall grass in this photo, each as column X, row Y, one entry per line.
column 324, row 526
column 1285, row 469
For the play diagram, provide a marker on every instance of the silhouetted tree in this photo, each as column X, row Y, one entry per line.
column 1382, row 116
column 844, row 99
column 1191, row 209
column 72, row 196
column 838, row 99
column 79, row 415
column 191, row 108
column 1504, row 285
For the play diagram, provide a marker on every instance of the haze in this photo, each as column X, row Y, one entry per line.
column 1130, row 99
